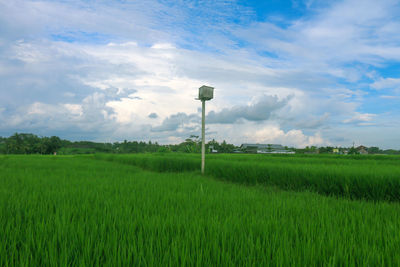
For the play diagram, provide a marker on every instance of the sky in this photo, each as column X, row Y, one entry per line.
column 296, row 73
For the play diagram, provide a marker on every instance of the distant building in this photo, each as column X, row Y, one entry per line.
column 265, row 148
column 362, row 150
column 212, row 149
column 335, row 150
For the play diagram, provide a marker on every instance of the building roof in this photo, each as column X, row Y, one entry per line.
column 262, row 146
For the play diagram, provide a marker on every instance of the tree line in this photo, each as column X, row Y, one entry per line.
column 27, row 143
column 345, row 150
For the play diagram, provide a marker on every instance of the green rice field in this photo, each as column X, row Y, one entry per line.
column 355, row 177
column 158, row 210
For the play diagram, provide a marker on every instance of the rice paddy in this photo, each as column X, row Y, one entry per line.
column 157, row 210
column 371, row 178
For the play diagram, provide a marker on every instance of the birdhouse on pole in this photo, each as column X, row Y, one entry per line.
column 205, row 93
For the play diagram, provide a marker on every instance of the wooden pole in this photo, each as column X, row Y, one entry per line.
column 203, row 133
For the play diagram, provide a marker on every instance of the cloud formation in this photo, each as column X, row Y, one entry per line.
column 178, row 122
column 130, row 70
column 386, row 83
column 361, row 119
column 261, row 110
column 273, row 134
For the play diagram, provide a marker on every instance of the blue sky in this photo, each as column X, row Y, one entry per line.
column 294, row 72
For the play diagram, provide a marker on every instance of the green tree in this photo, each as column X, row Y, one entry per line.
column 374, row 150
column 353, row 151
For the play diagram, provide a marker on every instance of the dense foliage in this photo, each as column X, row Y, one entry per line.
column 29, row 144
column 22, row 143
column 33, row 144
column 74, row 210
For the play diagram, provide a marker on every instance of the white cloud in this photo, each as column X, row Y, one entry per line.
column 361, row 118
column 389, row 97
column 340, row 33
column 273, row 134
column 164, row 46
column 386, row 83
column 74, row 109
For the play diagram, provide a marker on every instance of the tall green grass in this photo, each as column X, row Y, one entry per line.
column 63, row 211
column 372, row 178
